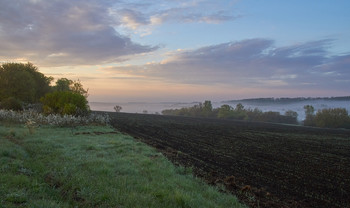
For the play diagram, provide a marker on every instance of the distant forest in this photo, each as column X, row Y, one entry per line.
column 287, row 100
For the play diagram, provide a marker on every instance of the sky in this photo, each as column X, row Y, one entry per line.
column 184, row 50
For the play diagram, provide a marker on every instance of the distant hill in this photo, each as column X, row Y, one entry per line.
column 286, row 100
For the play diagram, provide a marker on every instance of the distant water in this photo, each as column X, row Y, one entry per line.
column 153, row 108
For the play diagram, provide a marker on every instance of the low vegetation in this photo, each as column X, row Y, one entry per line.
column 23, row 117
column 329, row 118
column 93, row 166
column 239, row 113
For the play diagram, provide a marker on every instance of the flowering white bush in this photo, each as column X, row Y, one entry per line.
column 56, row 120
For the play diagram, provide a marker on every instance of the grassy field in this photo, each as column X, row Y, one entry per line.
column 93, row 166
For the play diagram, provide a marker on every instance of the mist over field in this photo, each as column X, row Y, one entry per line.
column 152, row 108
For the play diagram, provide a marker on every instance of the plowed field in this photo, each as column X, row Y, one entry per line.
column 265, row 165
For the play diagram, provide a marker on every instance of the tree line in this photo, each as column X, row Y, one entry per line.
column 330, row 118
column 23, row 86
column 228, row 112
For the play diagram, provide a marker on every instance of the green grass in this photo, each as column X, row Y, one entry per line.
column 56, row 168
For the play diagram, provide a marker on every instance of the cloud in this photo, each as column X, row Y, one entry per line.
column 186, row 15
column 133, row 19
column 151, row 13
column 63, row 32
column 253, row 63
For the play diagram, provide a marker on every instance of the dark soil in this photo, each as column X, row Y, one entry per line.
column 264, row 164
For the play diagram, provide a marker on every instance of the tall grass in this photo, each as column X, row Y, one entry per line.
column 93, row 166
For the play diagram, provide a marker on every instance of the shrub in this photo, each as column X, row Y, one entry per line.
column 332, row 118
column 69, row 109
column 11, row 103
column 36, row 118
column 65, row 103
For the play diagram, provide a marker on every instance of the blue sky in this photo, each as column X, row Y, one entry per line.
column 177, row 50
column 287, row 22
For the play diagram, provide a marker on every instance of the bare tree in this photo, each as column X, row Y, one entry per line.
column 117, row 108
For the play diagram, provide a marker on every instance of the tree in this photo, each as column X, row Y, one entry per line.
column 65, row 102
column 292, row 116
column 207, row 108
column 271, row 116
column 239, row 107
column 42, row 82
column 309, row 115
column 77, row 87
column 309, row 110
column 291, row 113
column 64, row 84
column 332, row 118
column 23, row 82
column 239, row 112
column 69, row 97
column 254, row 115
column 11, row 103
column 117, row 108
column 225, row 111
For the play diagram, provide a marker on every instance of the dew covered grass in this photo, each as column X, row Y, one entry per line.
column 93, row 166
